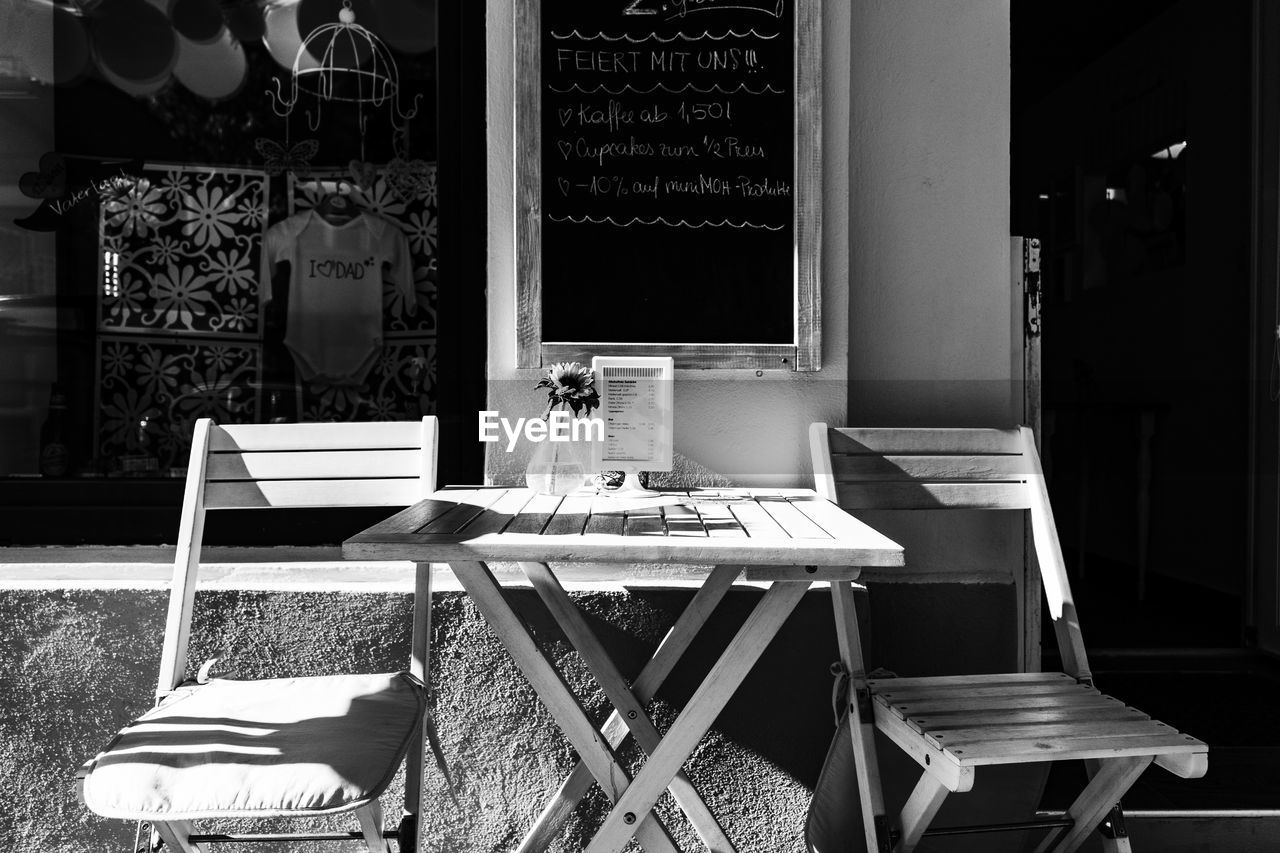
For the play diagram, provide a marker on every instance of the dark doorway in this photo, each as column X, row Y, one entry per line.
column 1131, row 161
column 1133, row 152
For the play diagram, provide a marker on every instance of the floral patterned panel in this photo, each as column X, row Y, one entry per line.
column 181, row 249
column 401, row 386
column 151, row 390
column 411, row 204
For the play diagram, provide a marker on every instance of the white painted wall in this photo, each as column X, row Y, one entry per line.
column 929, row 305
column 916, row 249
column 929, row 279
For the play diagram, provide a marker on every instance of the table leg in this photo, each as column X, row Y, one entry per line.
column 622, row 698
column 861, row 719
column 569, row 715
column 420, row 668
column 673, row 646
column 703, row 708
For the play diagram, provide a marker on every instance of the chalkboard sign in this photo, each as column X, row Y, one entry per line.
column 668, row 180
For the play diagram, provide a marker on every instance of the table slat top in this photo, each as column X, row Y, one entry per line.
column 748, row 526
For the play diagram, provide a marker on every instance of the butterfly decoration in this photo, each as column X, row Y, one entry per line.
column 362, row 174
column 277, row 159
column 408, row 178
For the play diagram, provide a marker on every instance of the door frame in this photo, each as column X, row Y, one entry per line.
column 1024, row 337
column 462, row 341
column 1262, row 590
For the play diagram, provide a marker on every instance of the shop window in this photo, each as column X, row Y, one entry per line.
column 145, row 180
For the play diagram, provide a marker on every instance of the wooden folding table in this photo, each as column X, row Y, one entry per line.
column 788, row 539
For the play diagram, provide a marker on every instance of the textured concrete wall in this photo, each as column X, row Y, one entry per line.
column 80, row 664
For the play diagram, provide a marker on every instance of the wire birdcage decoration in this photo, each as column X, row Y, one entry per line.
column 344, row 63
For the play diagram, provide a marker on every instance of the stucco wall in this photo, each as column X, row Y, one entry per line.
column 80, row 663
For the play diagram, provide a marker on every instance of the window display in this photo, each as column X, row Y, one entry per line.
column 174, row 248
column 334, row 329
column 399, row 374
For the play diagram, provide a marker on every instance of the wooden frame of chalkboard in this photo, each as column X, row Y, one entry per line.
column 662, row 207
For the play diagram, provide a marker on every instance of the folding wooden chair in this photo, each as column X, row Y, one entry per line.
column 953, row 725
column 281, row 747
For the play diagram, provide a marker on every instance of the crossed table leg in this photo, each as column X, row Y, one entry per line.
column 633, row 800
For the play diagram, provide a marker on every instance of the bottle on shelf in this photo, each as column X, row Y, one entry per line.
column 141, row 460
column 55, row 454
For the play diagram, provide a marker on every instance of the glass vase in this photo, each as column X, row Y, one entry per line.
column 558, row 467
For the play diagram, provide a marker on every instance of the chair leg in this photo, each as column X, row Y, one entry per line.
column 1109, row 845
column 1116, row 845
column 862, row 727
column 1108, row 785
column 176, row 834
column 370, row 818
column 420, row 668
column 920, row 809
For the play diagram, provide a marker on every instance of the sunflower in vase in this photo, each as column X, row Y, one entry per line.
column 561, row 466
column 571, row 386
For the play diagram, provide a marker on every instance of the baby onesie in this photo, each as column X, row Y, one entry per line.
column 334, row 326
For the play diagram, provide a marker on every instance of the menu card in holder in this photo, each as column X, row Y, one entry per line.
column 636, row 404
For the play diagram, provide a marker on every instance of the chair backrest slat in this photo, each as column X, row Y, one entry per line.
column 935, row 495
column 280, row 494
column 919, row 469
column 952, row 442
column 891, row 468
column 319, row 465
column 251, row 466
column 340, row 436
column 925, row 468
column 312, row 465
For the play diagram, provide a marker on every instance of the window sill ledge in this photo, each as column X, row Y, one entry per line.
column 288, row 569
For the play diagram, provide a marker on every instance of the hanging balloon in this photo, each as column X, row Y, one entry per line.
column 245, row 20
column 342, row 50
column 282, row 37
column 199, row 21
column 28, row 32
column 133, row 41
column 215, row 71
column 408, row 26
column 137, row 88
column 50, row 41
column 70, row 46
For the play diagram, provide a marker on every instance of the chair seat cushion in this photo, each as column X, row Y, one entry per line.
column 268, row 748
column 1014, row 718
